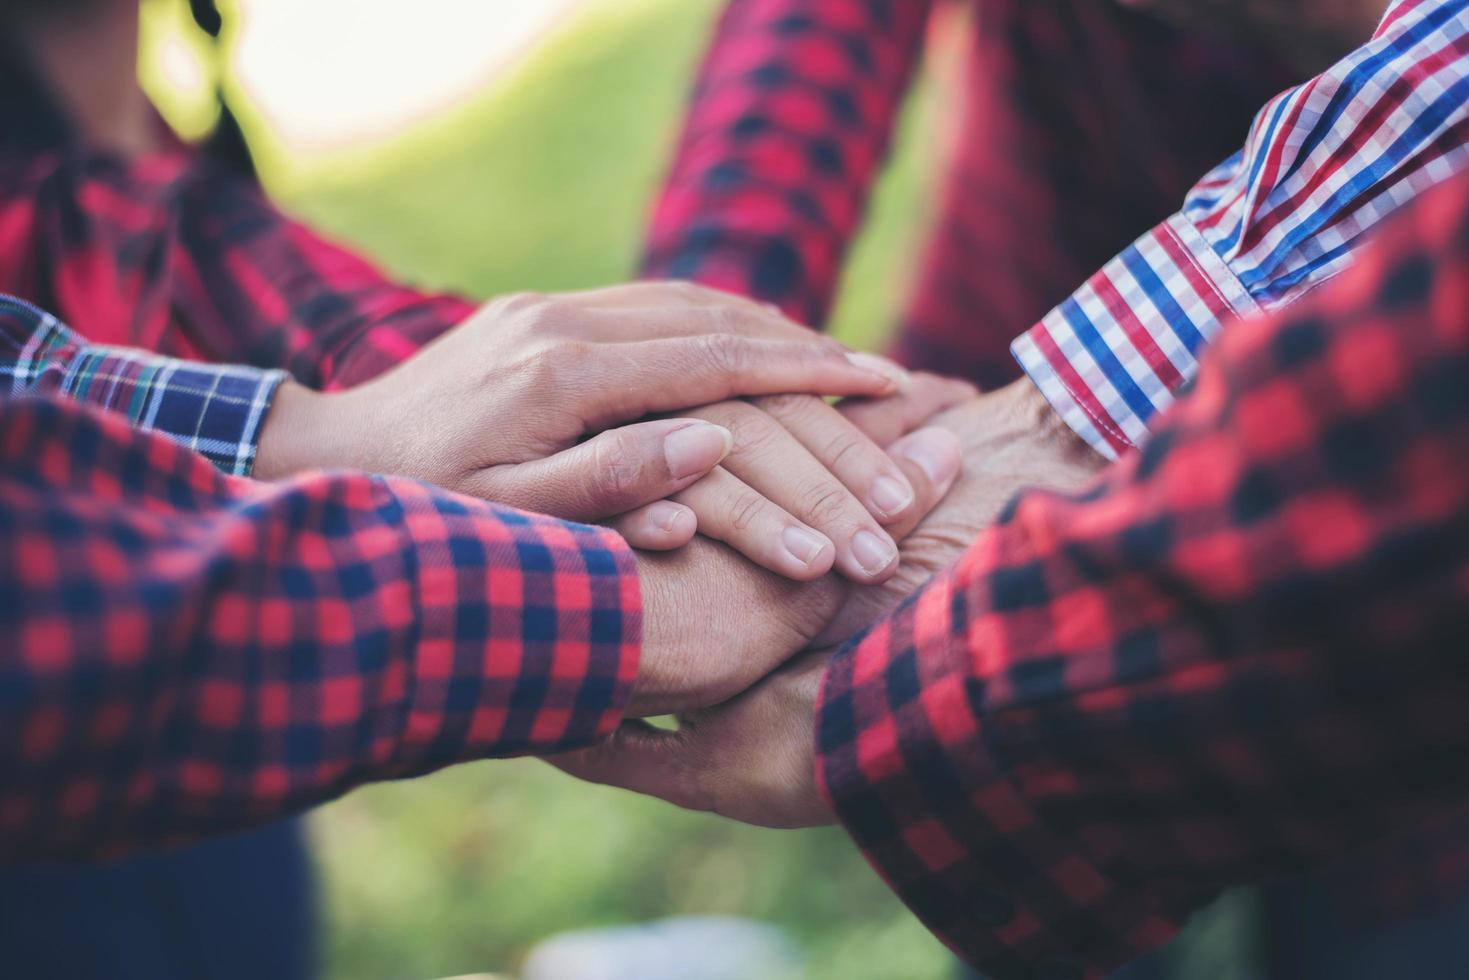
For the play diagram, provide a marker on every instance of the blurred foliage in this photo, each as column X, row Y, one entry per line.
column 544, row 181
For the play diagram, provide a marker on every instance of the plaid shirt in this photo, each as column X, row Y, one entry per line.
column 1324, row 163
column 189, row 653
column 181, row 255
column 1077, row 125
column 216, row 411
column 1082, row 121
column 1238, row 655
column 1080, row 125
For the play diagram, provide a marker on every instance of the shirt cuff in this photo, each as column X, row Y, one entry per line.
column 1119, row 350
column 921, row 784
column 214, row 410
column 530, row 640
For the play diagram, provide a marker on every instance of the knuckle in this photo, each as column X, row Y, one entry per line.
column 826, row 503
column 746, row 509
column 725, row 353
column 842, row 446
column 687, row 292
column 788, row 407
column 525, row 300
column 754, row 432
column 617, row 468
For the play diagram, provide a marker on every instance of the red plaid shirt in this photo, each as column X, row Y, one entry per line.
column 1239, row 655
column 188, row 653
column 1079, row 126
column 180, row 254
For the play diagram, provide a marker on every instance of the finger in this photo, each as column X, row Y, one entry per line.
column 643, row 759
column 629, row 380
column 661, row 526
column 729, row 510
column 774, row 464
column 614, row 473
column 859, row 463
column 932, row 460
column 885, row 420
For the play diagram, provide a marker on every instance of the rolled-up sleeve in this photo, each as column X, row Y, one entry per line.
column 217, row 410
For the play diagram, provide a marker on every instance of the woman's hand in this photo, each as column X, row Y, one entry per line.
column 497, row 408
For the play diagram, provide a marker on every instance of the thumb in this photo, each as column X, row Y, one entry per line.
column 615, row 472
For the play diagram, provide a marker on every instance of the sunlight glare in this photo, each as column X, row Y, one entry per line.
column 327, row 73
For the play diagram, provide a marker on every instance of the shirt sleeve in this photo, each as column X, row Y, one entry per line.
column 1323, row 165
column 1237, row 656
column 188, row 653
column 215, row 410
column 791, row 119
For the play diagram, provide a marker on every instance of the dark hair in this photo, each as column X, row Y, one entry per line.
column 227, row 142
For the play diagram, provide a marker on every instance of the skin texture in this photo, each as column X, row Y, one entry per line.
column 714, row 624
column 500, row 407
column 752, row 758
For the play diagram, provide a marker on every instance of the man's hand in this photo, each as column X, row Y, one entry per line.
column 752, row 759
column 497, row 407
column 1012, row 440
column 714, row 624
column 800, row 465
column 496, row 410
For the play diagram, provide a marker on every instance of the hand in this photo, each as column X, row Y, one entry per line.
column 752, row 759
column 496, row 407
column 1012, row 440
column 807, row 486
column 714, row 624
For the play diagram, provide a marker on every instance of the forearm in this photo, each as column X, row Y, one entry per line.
column 192, row 654
column 791, row 119
column 1236, row 657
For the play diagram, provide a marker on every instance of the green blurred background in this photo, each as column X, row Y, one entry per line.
column 542, row 179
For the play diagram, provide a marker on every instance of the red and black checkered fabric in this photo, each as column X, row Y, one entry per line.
column 1238, row 655
column 180, row 253
column 184, row 653
column 1079, row 126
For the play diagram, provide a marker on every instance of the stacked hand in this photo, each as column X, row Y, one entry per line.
column 498, row 409
column 562, row 405
column 752, row 758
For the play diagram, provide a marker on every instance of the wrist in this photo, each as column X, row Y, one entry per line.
column 1037, row 415
column 714, row 624
column 290, row 437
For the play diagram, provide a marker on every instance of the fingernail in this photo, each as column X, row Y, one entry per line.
column 889, row 497
column 879, row 365
column 805, row 546
column 665, row 516
column 696, row 448
column 936, row 452
column 873, row 553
